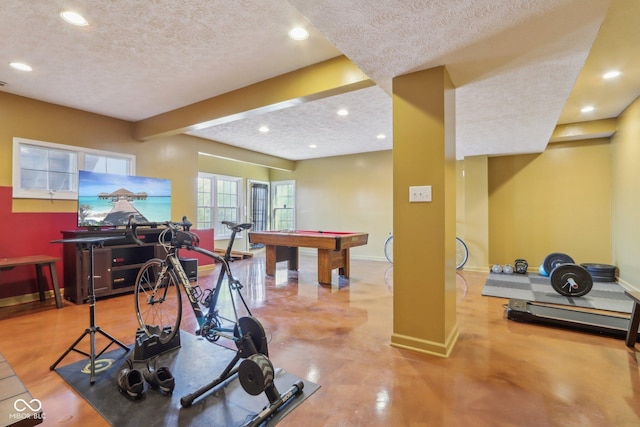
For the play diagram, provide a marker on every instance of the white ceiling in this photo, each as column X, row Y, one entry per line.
column 514, row 63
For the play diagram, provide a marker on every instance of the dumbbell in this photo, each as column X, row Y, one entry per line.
column 567, row 278
column 506, row 269
column 521, row 266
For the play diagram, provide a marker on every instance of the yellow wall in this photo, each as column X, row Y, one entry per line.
column 474, row 227
column 26, row 118
column 220, row 166
column 578, row 197
column 346, row 193
column 625, row 154
column 333, row 180
column 557, row 201
column 175, row 158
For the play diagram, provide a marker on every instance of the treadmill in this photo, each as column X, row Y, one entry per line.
column 603, row 324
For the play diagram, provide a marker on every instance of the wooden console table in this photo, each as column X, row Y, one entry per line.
column 116, row 262
column 38, row 261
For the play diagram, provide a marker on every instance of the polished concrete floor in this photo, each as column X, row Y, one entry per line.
column 500, row 373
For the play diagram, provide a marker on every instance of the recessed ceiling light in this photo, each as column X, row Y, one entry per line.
column 342, row 112
column 611, row 74
column 381, row 136
column 588, row 109
column 298, row 33
column 263, row 129
column 74, row 18
column 313, row 146
column 20, row 66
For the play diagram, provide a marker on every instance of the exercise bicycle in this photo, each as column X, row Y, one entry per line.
column 158, row 305
column 158, row 300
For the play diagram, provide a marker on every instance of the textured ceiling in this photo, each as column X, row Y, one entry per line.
column 137, row 59
column 292, row 131
column 514, row 63
column 615, row 48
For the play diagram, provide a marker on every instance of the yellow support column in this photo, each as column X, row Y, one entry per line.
column 476, row 212
column 424, row 279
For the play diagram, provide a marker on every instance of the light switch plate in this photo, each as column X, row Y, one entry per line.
column 420, row 193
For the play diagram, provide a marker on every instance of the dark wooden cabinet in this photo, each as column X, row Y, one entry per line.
column 116, row 262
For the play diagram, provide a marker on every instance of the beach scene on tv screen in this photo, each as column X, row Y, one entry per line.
column 109, row 199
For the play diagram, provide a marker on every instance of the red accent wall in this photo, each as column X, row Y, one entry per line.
column 24, row 234
column 31, row 233
column 206, row 242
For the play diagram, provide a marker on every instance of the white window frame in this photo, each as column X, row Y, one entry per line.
column 275, row 207
column 221, row 233
column 22, row 193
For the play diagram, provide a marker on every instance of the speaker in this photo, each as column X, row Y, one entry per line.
column 190, row 266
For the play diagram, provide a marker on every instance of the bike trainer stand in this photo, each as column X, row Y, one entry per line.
column 146, row 347
column 256, row 375
column 93, row 329
column 255, row 372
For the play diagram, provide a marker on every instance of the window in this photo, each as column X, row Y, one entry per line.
column 219, row 199
column 284, row 205
column 204, row 212
column 43, row 170
column 106, row 164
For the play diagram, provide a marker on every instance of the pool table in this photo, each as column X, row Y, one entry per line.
column 333, row 249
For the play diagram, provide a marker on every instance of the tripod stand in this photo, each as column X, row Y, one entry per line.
column 91, row 243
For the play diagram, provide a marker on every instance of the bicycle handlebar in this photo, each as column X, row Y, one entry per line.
column 133, row 226
column 174, row 226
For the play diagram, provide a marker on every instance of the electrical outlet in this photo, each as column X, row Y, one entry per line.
column 420, row 193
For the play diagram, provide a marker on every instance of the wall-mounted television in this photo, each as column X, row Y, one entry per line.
column 108, row 200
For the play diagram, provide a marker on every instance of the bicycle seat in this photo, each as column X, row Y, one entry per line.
column 237, row 227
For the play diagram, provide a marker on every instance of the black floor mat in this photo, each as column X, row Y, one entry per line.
column 195, row 364
column 536, row 288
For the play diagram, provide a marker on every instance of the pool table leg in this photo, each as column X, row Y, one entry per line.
column 275, row 254
column 346, row 264
column 329, row 260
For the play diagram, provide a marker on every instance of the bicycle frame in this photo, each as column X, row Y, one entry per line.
column 209, row 324
column 154, row 287
column 212, row 300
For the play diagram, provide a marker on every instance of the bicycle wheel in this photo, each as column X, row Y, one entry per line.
column 388, row 248
column 158, row 300
column 462, row 253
